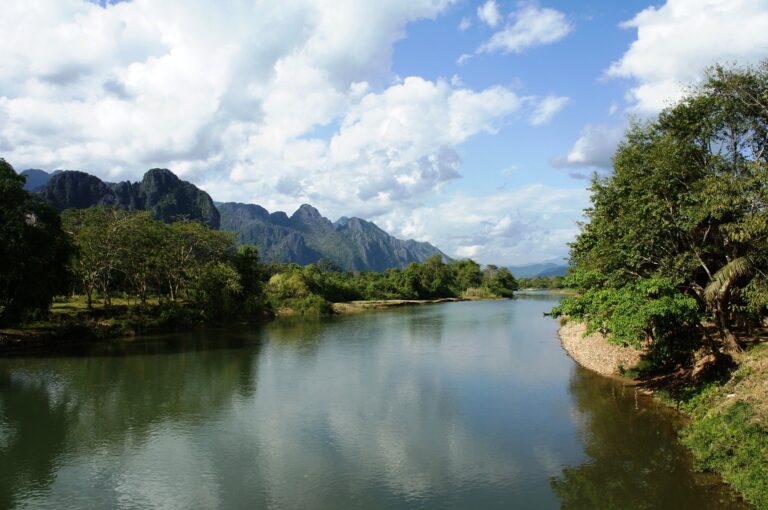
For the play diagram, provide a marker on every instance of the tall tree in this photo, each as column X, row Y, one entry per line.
column 33, row 250
column 688, row 201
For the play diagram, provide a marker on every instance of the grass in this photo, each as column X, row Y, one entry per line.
column 71, row 320
column 728, row 430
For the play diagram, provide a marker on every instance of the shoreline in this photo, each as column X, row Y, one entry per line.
column 381, row 304
column 595, row 353
column 33, row 340
column 730, row 412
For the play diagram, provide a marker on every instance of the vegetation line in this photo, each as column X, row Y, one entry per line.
column 113, row 272
column 673, row 262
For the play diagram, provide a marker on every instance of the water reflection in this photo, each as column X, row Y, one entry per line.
column 107, row 405
column 634, row 461
column 463, row 405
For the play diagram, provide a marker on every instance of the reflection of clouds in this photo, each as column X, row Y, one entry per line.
column 407, row 407
column 390, row 406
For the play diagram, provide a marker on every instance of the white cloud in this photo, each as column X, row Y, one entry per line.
column 547, row 109
column 676, row 41
column 463, row 59
column 254, row 101
column 464, row 24
column 391, row 149
column 114, row 90
column 519, row 226
column 529, row 26
column 594, row 148
column 489, row 13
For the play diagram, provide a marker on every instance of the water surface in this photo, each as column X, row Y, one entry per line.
column 460, row 405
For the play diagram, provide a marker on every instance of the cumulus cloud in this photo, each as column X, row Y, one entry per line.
column 464, row 24
column 547, row 109
column 529, row 26
column 677, row 41
column 594, row 148
column 518, row 226
column 232, row 97
column 275, row 104
column 489, row 13
column 159, row 82
column 391, row 148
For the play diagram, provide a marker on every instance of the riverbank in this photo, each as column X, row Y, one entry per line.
column 595, row 353
column 361, row 306
column 70, row 323
column 727, row 426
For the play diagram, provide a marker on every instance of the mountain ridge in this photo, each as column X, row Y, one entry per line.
column 305, row 237
column 160, row 191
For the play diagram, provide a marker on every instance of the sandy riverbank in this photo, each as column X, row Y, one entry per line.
column 359, row 306
column 594, row 352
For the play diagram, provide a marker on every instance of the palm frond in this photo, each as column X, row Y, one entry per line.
column 726, row 276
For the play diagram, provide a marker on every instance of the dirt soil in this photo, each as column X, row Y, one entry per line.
column 594, row 352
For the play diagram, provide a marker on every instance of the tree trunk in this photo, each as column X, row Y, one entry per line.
column 728, row 337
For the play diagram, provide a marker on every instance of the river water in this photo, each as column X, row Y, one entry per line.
column 459, row 405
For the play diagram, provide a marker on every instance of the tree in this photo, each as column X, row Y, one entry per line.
column 188, row 248
column 100, row 237
column 499, row 280
column 466, row 275
column 33, row 250
column 688, row 201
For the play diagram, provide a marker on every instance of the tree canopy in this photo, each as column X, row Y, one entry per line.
column 685, row 214
column 33, row 251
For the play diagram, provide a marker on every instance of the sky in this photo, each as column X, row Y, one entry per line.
column 472, row 125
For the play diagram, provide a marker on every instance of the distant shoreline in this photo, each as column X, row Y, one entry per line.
column 34, row 341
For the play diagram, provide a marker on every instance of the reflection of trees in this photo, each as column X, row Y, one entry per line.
column 53, row 407
column 635, row 460
column 32, row 425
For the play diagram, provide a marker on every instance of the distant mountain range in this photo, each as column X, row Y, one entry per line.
column 305, row 237
column 537, row 270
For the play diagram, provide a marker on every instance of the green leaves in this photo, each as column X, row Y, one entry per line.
column 649, row 311
column 33, row 251
column 687, row 201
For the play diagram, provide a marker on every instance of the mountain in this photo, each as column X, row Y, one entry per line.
column 306, row 237
column 541, row 269
column 160, row 191
column 37, row 178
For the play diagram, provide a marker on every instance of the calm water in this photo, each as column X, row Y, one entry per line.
column 462, row 405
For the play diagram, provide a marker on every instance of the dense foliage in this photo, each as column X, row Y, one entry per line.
column 291, row 284
column 542, row 282
column 678, row 233
column 136, row 256
column 104, row 253
column 33, row 251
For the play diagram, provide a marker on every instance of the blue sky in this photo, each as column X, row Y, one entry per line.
column 471, row 125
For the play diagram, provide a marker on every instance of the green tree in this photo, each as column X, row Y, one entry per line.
column 688, row 200
column 100, row 237
column 33, row 250
column 466, row 275
column 189, row 247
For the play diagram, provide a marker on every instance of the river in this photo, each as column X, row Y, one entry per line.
column 458, row 405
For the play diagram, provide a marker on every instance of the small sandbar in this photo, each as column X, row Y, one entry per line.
column 594, row 352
